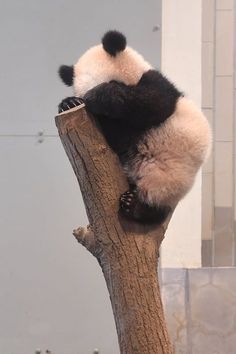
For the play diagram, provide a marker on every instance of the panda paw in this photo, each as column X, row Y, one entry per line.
column 128, row 201
column 68, row 103
column 134, row 209
column 105, row 99
column 95, row 99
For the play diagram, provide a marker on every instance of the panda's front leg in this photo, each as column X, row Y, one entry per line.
column 68, row 103
column 106, row 99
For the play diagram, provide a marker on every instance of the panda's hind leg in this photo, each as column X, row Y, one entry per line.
column 133, row 208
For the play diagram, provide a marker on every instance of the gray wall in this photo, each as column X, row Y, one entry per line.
column 52, row 292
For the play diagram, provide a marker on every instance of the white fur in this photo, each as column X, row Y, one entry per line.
column 171, row 155
column 97, row 66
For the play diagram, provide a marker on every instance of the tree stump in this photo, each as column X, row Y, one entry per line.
column 126, row 251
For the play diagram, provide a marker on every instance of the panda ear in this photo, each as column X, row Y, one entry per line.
column 113, row 42
column 66, row 73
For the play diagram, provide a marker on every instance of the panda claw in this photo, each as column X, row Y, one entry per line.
column 128, row 202
column 68, row 103
column 79, row 100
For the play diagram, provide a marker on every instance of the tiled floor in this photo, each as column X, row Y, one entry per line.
column 200, row 307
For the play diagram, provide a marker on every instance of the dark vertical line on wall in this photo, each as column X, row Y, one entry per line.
column 188, row 312
column 213, row 142
column 161, row 41
column 233, row 150
column 234, row 127
column 207, row 253
column 202, row 92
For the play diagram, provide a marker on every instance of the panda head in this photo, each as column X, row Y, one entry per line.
column 110, row 60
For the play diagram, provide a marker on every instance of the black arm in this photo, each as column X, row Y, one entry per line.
column 146, row 104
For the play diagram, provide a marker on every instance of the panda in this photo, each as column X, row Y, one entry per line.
column 159, row 135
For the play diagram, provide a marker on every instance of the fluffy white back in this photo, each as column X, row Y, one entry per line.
column 171, row 155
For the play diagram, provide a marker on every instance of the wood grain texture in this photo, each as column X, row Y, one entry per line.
column 127, row 252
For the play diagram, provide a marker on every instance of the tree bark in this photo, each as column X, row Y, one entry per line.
column 127, row 252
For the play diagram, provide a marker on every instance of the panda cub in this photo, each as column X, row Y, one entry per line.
column 160, row 136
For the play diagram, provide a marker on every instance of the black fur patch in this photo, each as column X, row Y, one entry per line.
column 126, row 112
column 113, row 42
column 66, row 73
column 132, row 208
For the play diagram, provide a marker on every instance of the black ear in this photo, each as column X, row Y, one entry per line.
column 66, row 73
column 113, row 42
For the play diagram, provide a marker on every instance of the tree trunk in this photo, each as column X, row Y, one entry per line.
column 126, row 251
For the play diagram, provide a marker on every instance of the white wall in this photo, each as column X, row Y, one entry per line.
column 181, row 61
